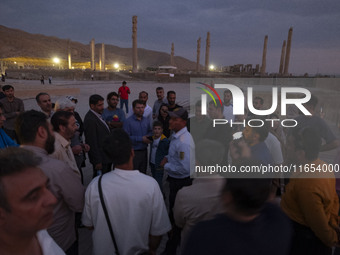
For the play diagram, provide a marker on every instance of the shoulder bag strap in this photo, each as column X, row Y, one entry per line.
column 106, row 214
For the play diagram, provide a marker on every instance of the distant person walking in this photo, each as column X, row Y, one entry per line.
column 123, row 93
column 50, row 79
column 42, row 79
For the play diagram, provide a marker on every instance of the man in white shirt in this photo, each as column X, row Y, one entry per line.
column 178, row 163
column 65, row 127
column 133, row 200
column 228, row 106
column 26, row 205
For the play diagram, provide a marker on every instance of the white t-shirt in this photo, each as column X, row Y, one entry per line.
column 228, row 112
column 136, row 209
column 48, row 245
column 154, row 150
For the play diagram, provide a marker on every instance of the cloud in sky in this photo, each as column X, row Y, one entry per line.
column 237, row 27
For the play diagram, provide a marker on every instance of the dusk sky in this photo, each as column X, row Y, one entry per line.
column 237, row 27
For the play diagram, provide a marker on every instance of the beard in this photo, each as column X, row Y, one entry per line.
column 49, row 144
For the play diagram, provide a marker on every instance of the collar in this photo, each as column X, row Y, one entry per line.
column 62, row 140
column 135, row 117
column 35, row 149
column 179, row 133
column 97, row 114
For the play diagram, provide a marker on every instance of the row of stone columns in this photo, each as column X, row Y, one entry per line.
column 285, row 54
column 284, row 61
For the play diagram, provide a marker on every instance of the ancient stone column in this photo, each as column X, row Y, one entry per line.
column 172, row 61
column 103, row 57
column 100, row 60
column 69, row 54
column 93, row 64
column 282, row 60
column 207, row 49
column 134, row 45
column 264, row 56
column 198, row 55
column 289, row 44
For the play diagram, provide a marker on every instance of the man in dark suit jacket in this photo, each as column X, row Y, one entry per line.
column 96, row 130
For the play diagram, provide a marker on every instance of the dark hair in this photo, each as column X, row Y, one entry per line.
column 118, row 147
column 37, row 98
column 227, row 91
column 159, row 88
column 170, row 92
column 94, row 99
column 261, row 131
column 27, row 124
column 218, row 106
column 111, row 94
column 259, row 98
column 14, row 160
column 249, row 195
column 7, row 87
column 157, row 123
column 137, row 101
column 1, row 106
column 144, row 92
column 60, row 118
column 159, row 111
column 309, row 140
column 124, row 82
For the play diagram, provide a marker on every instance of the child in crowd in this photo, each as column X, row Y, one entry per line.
column 159, row 149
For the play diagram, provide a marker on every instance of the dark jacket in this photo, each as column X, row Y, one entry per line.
column 161, row 152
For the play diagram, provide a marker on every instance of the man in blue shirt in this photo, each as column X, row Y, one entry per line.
column 140, row 132
column 254, row 137
column 112, row 115
column 177, row 164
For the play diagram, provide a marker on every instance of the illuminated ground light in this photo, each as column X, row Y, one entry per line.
column 56, row 60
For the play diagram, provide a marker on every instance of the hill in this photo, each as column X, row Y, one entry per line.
column 18, row 43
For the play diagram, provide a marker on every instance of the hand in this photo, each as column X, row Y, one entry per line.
column 239, row 150
column 163, row 162
column 86, row 147
column 146, row 140
column 77, row 149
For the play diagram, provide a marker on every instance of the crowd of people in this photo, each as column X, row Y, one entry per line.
column 143, row 187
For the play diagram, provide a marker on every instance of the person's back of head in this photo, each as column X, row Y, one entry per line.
column 248, row 195
column 27, row 125
column 118, row 147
